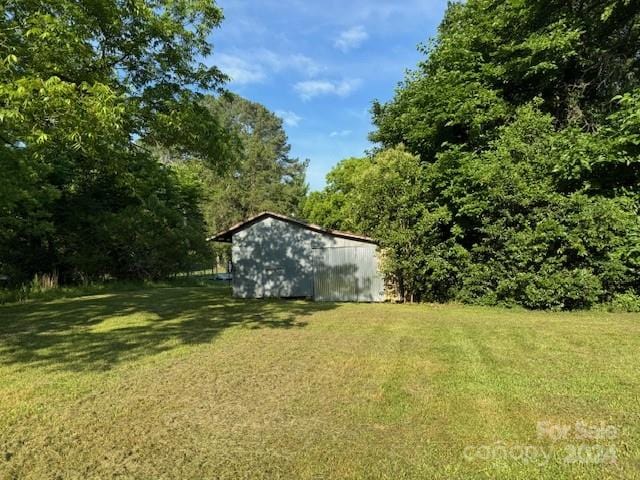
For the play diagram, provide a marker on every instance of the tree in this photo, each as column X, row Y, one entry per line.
column 262, row 175
column 84, row 87
column 528, row 241
column 384, row 197
column 333, row 206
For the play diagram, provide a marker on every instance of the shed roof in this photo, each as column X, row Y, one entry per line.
column 227, row 235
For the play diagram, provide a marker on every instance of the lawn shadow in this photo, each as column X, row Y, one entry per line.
column 97, row 332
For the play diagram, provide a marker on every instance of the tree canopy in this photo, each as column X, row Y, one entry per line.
column 86, row 88
column 261, row 175
column 491, row 57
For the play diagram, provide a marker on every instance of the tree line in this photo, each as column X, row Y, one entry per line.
column 505, row 167
column 507, row 163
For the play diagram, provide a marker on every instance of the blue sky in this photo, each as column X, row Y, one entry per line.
column 320, row 64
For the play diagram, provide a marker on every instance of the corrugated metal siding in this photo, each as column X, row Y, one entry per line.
column 347, row 274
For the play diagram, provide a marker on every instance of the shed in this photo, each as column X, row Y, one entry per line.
column 278, row 256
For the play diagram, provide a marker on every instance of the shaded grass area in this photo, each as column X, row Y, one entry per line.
column 96, row 332
column 186, row 382
column 30, row 293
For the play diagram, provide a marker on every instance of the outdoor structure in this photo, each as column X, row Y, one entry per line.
column 277, row 256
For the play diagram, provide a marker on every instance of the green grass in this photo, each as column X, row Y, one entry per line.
column 28, row 293
column 186, row 382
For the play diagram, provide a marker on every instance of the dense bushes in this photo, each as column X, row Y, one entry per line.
column 624, row 302
column 491, row 227
column 515, row 223
column 143, row 222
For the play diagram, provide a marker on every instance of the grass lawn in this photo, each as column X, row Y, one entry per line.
column 186, row 382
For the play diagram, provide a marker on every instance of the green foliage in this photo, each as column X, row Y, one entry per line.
column 259, row 175
column 84, row 87
column 518, row 222
column 332, row 207
column 389, row 205
column 527, row 235
column 625, row 302
column 491, row 57
column 262, row 175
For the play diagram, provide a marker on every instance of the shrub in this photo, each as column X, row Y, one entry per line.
column 557, row 290
column 624, row 302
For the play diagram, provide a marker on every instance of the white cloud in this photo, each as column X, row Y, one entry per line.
column 313, row 88
column 254, row 66
column 307, row 65
column 351, row 38
column 289, row 118
column 278, row 62
column 240, row 71
column 340, row 133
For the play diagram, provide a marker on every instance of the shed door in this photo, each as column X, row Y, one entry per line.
column 347, row 274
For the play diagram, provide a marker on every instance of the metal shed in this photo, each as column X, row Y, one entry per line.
column 277, row 256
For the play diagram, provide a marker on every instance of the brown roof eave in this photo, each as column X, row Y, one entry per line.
column 226, row 235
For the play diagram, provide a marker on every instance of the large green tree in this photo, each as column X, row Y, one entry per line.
column 333, row 207
column 262, row 176
column 84, row 87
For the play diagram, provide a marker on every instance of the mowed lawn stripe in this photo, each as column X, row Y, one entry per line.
column 186, row 382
